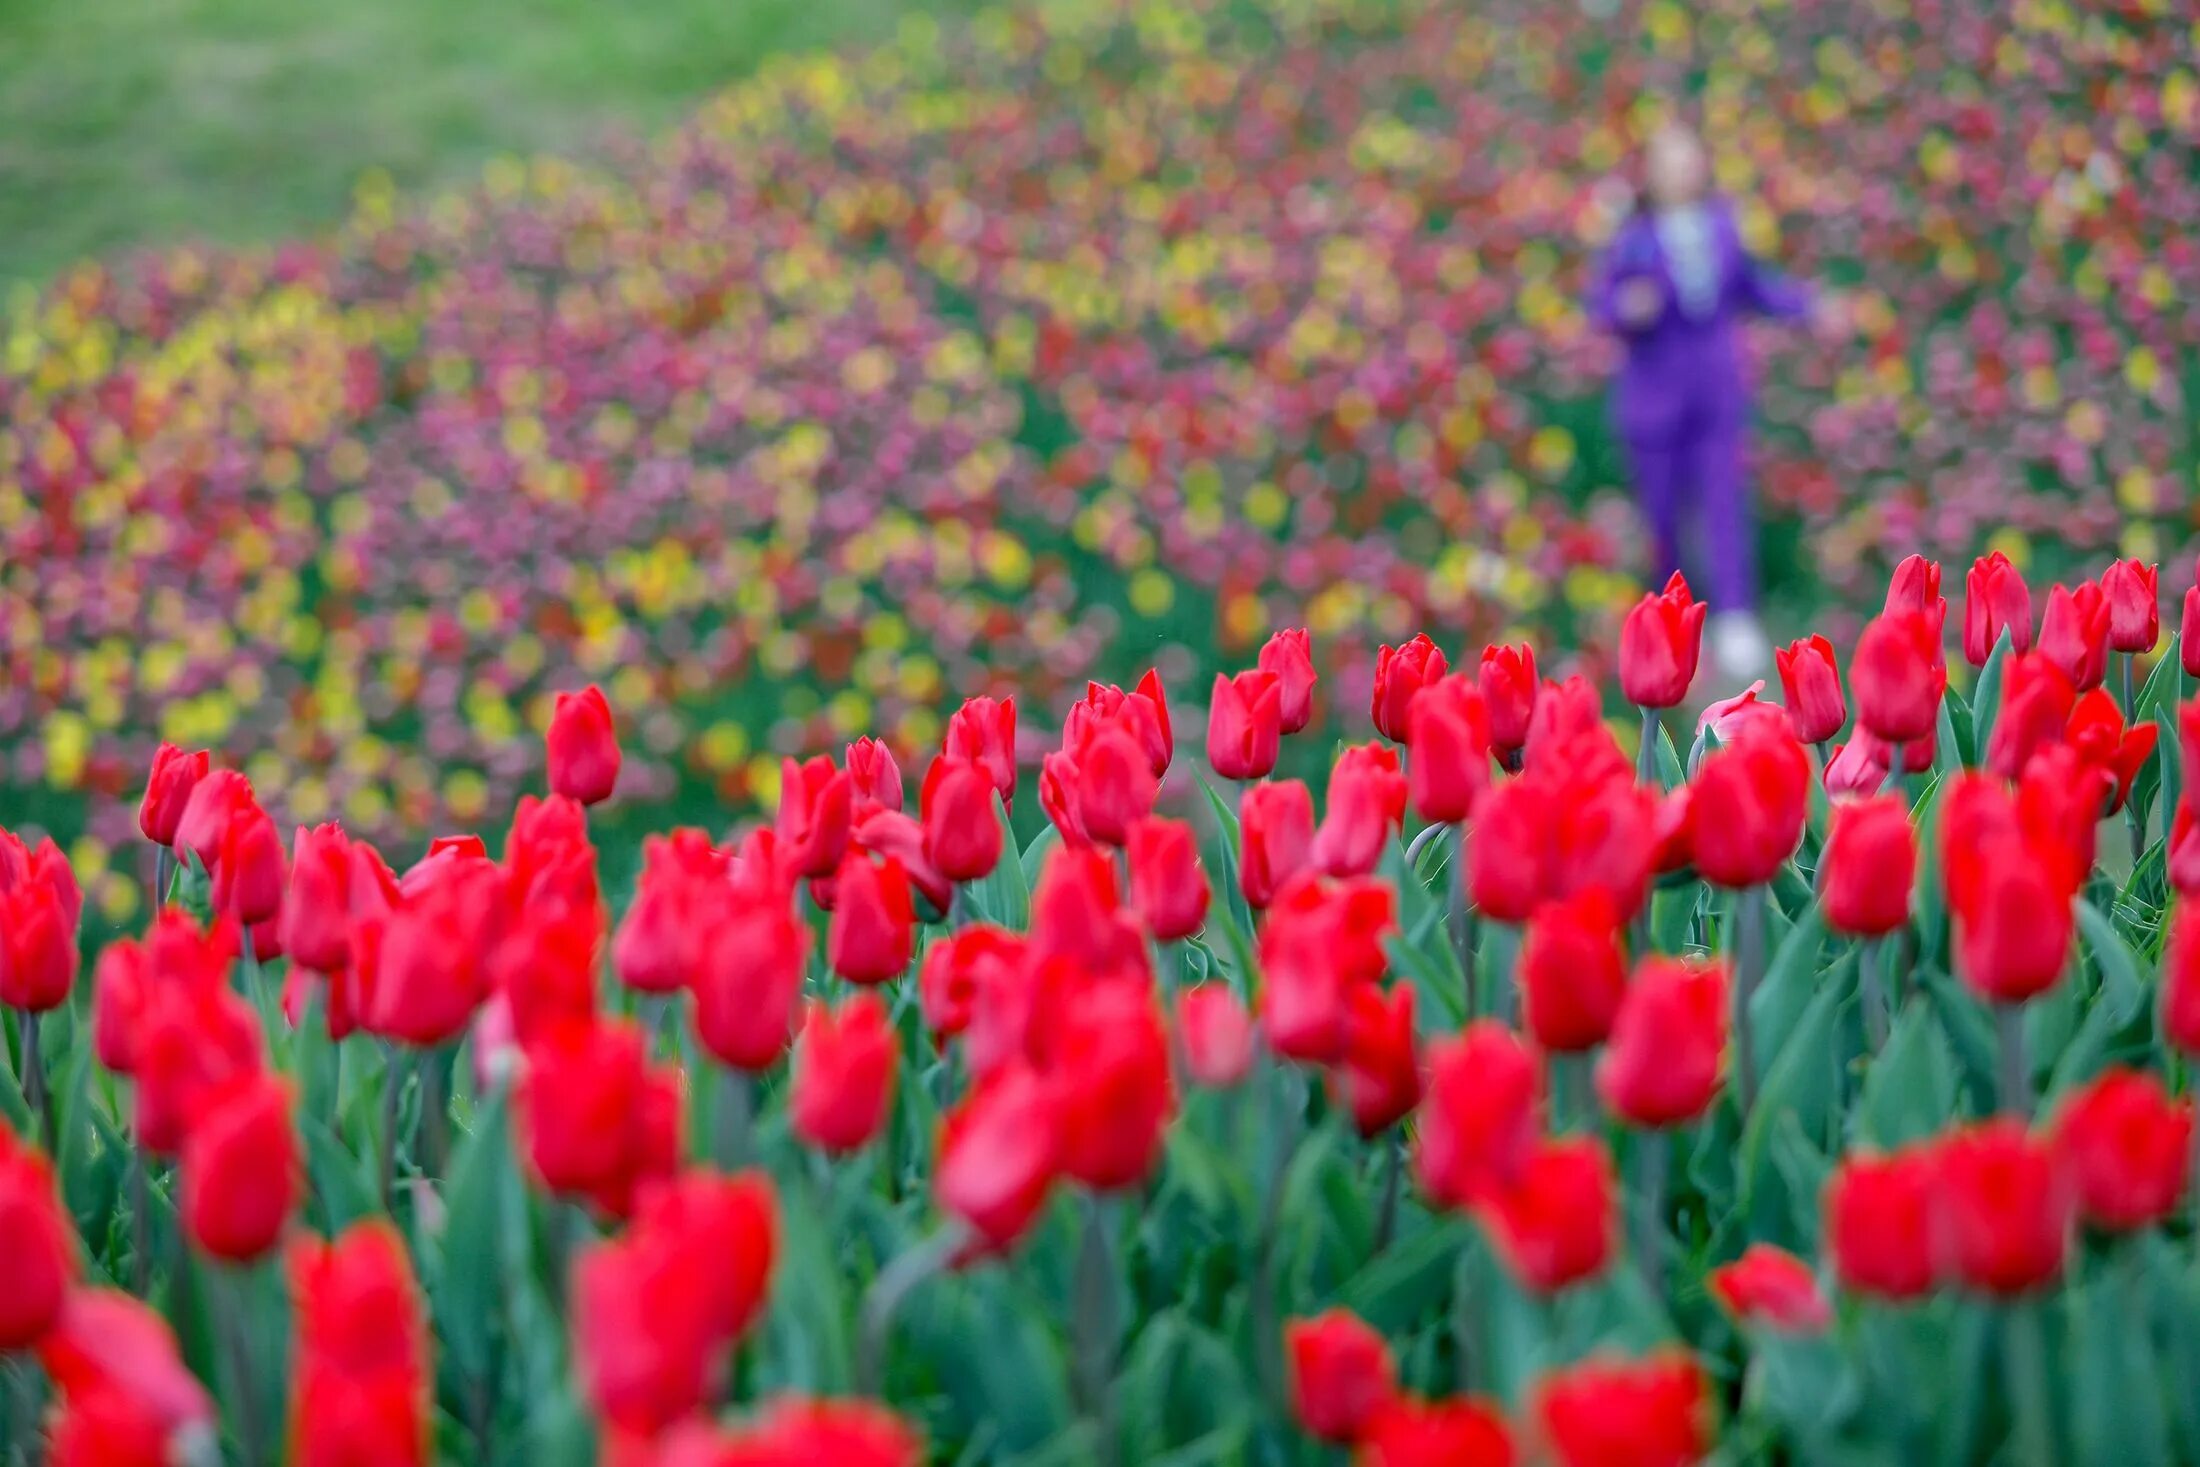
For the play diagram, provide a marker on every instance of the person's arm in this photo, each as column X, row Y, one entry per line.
column 1764, row 289
column 1623, row 299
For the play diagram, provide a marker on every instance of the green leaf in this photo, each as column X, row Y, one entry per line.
column 1398, row 1288
column 469, row 1269
column 341, row 1184
column 2116, row 1401
column 1786, row 989
column 1227, row 840
column 1182, row 1392
column 2168, row 759
column 1800, row 1081
column 13, row 1107
column 1003, row 897
column 1909, row 1091
column 1948, row 750
column 1669, row 759
column 1986, row 696
column 2121, row 991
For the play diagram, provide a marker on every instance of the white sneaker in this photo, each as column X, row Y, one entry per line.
column 1740, row 650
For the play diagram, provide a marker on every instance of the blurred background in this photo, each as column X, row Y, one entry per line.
column 795, row 370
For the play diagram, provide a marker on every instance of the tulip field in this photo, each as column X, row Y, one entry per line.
column 968, row 766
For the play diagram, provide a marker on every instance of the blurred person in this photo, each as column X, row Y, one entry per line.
column 1674, row 286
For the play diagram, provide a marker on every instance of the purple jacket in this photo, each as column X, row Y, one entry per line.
column 1682, row 374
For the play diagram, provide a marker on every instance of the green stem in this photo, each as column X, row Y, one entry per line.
column 1749, row 940
column 732, row 1120
column 435, row 1120
column 1284, row 1129
column 393, row 1083
column 141, row 1221
column 1459, row 922
column 2016, row 1071
column 1646, row 755
column 1095, row 1329
column 1873, row 992
column 1894, row 769
column 232, row 1320
column 884, row 1299
column 1386, row 1219
column 164, row 872
column 1650, row 1149
column 2025, row 1358
column 35, row 1089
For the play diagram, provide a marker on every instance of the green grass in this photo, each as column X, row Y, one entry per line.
column 129, row 123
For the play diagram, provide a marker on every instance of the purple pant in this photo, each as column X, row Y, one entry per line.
column 1695, row 495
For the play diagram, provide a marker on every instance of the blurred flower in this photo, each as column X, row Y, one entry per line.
column 1658, row 646
column 1169, row 889
column 241, row 1169
column 1772, row 1287
column 1217, row 1035
column 1810, row 681
column 1400, row 674
column 2128, row 1147
column 583, row 747
column 844, row 1067
column 1880, row 1220
column 1480, row 1117
column 1995, row 600
column 2007, row 1206
column 361, row 1380
column 1288, row 657
column 1573, row 977
column 168, row 791
column 1277, row 830
column 2074, row 633
column 1244, row 724
column 1869, row 866
column 41, row 1246
column 1607, row 1412
column 1663, row 1063
column 1342, row 1375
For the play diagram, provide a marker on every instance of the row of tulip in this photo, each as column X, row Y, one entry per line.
column 956, row 365
column 887, row 1140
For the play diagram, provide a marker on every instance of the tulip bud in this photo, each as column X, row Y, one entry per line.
column 2036, row 702
column 1772, row 1287
column 1114, row 783
column 1662, row 1065
column 168, row 790
column 2014, row 923
column 962, row 835
column 241, row 1170
column 1244, row 725
column 999, row 1155
column 1289, row 656
column 1379, row 1076
column 317, row 907
column 2074, row 633
column 2127, row 1146
column 1748, row 807
column 1316, row 944
column 959, row 970
column 749, row 987
column 248, row 869
column 362, row 1386
column 1810, row 681
column 2132, row 589
column 1450, row 737
column 125, row 1388
column 41, row 1247
column 1605, row 1412
column 1409, row 1432
column 815, row 813
column 1168, row 888
column 1572, row 976
column 1555, row 1224
column 1366, row 807
column 984, row 732
column 1509, row 684
column 1400, row 674
column 214, row 801
column 2097, row 734
column 2007, row 1206
column 1869, row 866
column 583, row 747
column 595, row 1119
column 1277, row 830
column 1658, row 646
column 1995, row 600
column 38, row 951
column 844, row 1068
column 2181, row 977
column 1899, row 676
column 1879, row 1224
column 1915, row 586
column 1341, row 1374
column 1142, row 715
column 2188, row 633
column 874, row 921
column 1217, row 1035
column 874, row 779
column 1480, row 1116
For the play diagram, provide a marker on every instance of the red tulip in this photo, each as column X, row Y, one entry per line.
column 2036, row 702
column 1168, row 888
column 1450, row 736
column 1509, row 686
column 1341, row 1374
column 38, row 1242
column 1480, row 1117
column 2132, row 589
column 1748, row 807
column 2007, row 1206
column 1995, row 600
column 874, row 779
column 1366, row 807
column 214, row 801
column 1510, row 856
column 1109, row 1051
column 1915, row 586
column 123, row 1383
column 1414, row 1433
column 815, row 812
column 1245, row 725
column 192, row 1038
column 38, row 951
column 682, row 896
column 2181, row 977
column 849, row 1433
column 999, row 1155
column 1662, row 1065
column 844, row 1066
column 1277, row 831
column 2013, row 925
column 2074, row 633
column 1380, row 1075
column 248, row 869
column 1772, row 1287
column 962, row 834
column 959, row 970
column 1107, row 780
column 595, row 1119
column 583, row 747
column 874, row 922
column 1728, row 716
column 1555, row 1224
column 241, row 1169
column 984, row 732
column 1217, row 1035
column 427, row 974
column 168, row 790
column 1077, row 915
column 2096, row 731
column 317, row 907
column 1869, row 866
column 1400, row 674
column 656, row 1311
column 1572, row 975
column 2128, row 1148
column 749, row 987
column 2188, row 633
column 1606, row 1412
column 1289, row 656
column 1810, row 681
column 1898, row 676
column 1142, row 714
column 1658, row 646
column 1318, row 942
column 1566, row 714
column 362, row 1388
